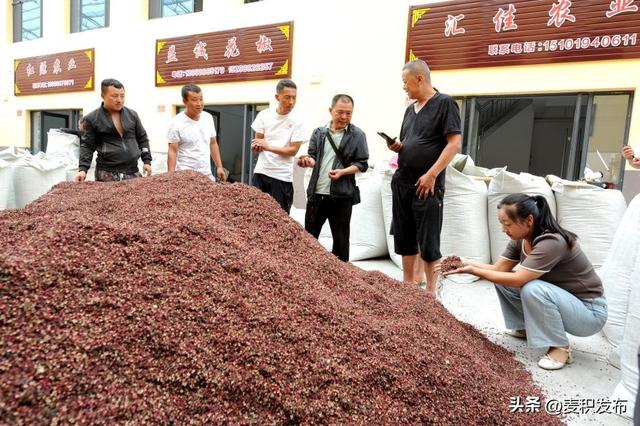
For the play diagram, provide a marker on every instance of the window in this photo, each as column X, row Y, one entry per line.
column 89, row 14
column 27, row 19
column 554, row 134
column 166, row 8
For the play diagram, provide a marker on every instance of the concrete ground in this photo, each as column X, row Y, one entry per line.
column 588, row 378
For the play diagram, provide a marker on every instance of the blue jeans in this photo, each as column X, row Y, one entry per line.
column 548, row 312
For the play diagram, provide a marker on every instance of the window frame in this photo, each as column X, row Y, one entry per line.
column 76, row 16
column 156, row 6
column 18, row 22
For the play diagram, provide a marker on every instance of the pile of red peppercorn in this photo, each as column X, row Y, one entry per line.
column 172, row 299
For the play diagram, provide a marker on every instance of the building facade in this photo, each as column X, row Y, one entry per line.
column 534, row 95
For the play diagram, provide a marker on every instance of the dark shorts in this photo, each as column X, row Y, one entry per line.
column 105, row 176
column 280, row 190
column 416, row 223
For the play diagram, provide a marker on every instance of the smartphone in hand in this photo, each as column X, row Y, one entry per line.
column 390, row 141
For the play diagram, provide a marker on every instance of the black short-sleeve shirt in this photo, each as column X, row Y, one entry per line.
column 424, row 136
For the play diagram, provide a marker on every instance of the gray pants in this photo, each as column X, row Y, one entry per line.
column 548, row 312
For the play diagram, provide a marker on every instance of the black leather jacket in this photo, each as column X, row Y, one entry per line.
column 116, row 153
column 353, row 149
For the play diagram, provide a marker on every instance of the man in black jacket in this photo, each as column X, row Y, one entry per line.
column 332, row 188
column 116, row 132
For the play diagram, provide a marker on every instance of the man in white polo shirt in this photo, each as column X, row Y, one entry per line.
column 279, row 135
column 192, row 137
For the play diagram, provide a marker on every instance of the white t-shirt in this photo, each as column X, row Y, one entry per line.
column 279, row 130
column 193, row 139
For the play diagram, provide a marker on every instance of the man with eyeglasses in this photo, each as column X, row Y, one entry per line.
column 337, row 151
column 117, row 134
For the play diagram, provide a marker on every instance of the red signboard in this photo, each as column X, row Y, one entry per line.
column 254, row 53
column 464, row 34
column 56, row 73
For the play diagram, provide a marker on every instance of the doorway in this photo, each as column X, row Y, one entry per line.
column 43, row 121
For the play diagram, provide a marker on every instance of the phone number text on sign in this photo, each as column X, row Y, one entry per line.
column 616, row 40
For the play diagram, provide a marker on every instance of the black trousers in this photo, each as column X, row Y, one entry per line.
column 338, row 212
column 280, row 190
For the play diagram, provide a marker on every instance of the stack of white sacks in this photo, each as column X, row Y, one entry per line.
column 367, row 239
column 621, row 278
column 471, row 229
column 25, row 177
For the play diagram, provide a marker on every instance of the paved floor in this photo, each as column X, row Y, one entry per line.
column 588, row 378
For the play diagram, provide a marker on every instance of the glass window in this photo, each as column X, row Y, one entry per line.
column 89, row 14
column 27, row 20
column 176, row 7
column 166, row 8
column 555, row 134
column 606, row 135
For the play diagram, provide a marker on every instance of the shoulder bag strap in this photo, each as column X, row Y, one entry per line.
column 335, row 149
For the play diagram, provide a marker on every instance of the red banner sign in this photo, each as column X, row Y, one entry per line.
column 254, row 53
column 465, row 34
column 56, row 73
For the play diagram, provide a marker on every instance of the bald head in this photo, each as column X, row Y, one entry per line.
column 418, row 67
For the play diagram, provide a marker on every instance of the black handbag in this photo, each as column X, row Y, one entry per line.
column 356, row 192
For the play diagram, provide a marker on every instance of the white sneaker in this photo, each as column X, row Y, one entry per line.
column 520, row 334
column 549, row 363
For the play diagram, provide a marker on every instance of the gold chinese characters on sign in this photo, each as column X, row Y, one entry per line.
column 462, row 34
column 254, row 53
column 55, row 73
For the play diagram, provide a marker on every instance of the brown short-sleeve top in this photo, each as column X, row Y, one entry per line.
column 567, row 268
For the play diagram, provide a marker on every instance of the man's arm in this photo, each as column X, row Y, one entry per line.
column 87, row 148
column 143, row 143
column 628, row 154
column 215, row 155
column 309, row 160
column 454, row 146
column 172, row 155
column 426, row 183
column 361, row 155
column 287, row 151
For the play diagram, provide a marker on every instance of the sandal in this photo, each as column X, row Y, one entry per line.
column 549, row 363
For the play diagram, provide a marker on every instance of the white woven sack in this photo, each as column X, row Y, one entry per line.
column 6, row 184
column 11, row 156
column 297, row 215
column 622, row 258
column 387, row 203
column 63, row 145
column 464, row 227
column 158, row 163
column 590, row 212
column 367, row 238
column 628, row 386
column 505, row 183
column 34, row 176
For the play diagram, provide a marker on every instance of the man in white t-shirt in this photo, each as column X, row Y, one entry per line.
column 279, row 135
column 192, row 137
